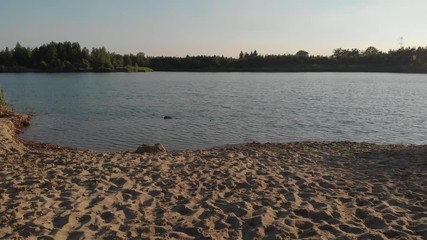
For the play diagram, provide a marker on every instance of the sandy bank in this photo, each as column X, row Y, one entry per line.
column 11, row 124
column 320, row 190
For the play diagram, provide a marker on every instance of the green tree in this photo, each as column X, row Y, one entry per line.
column 6, row 57
column 421, row 56
column 241, row 55
column 22, row 55
column 402, row 56
column 85, row 65
column 346, row 55
column 51, row 54
column 75, row 55
column 371, row 51
column 101, row 59
column 141, row 60
column 302, row 53
column 127, row 61
column 117, row 60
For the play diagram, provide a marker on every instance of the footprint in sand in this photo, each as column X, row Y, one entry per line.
column 183, row 210
column 77, row 235
column 85, row 219
column 60, row 221
column 107, row 216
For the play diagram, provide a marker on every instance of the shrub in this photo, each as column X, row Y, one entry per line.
column 2, row 99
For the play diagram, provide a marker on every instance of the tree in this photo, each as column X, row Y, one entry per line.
column 241, row 55
column 346, row 55
column 6, row 57
column 302, row 53
column 85, row 65
column 62, row 50
column 117, row 60
column 255, row 53
column 44, row 66
column 421, row 56
column 75, row 56
column 68, row 56
column 127, row 61
column 371, row 51
column 85, row 54
column 51, row 54
column 101, row 59
column 22, row 56
column 141, row 60
column 402, row 56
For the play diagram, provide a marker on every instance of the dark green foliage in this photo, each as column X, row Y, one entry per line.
column 22, row 56
column 44, row 65
column 401, row 60
column 117, row 60
column 6, row 57
column 85, row 65
column 70, row 57
column 101, row 59
column 302, row 54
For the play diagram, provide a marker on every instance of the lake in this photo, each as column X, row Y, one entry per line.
column 119, row 111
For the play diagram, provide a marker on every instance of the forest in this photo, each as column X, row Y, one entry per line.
column 71, row 57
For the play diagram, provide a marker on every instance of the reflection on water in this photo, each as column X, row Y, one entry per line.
column 119, row 111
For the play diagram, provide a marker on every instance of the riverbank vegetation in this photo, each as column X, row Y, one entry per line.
column 3, row 102
column 71, row 57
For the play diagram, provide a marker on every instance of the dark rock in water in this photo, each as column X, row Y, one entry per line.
column 156, row 149
column 167, row 117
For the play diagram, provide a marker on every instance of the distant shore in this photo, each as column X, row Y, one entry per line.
column 71, row 57
column 251, row 191
column 308, row 68
column 281, row 68
column 36, row 70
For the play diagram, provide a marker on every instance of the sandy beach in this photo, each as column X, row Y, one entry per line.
column 307, row 190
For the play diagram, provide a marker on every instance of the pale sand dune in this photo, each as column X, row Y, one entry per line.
column 306, row 190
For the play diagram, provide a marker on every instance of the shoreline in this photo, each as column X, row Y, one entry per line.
column 295, row 190
column 249, row 70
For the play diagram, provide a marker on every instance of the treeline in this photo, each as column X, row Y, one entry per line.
column 70, row 57
column 342, row 60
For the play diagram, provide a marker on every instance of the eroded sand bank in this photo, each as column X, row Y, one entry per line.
column 314, row 190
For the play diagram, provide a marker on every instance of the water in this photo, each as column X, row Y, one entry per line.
column 119, row 111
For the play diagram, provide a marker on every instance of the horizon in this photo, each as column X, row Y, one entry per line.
column 219, row 28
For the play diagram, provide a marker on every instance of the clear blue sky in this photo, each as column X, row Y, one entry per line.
column 221, row 27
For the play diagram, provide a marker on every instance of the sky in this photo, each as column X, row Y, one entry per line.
column 215, row 27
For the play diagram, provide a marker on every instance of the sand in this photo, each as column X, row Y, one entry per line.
column 311, row 190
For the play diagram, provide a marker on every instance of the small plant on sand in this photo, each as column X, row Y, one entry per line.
column 3, row 102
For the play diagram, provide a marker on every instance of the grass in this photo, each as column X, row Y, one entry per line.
column 138, row 69
column 2, row 99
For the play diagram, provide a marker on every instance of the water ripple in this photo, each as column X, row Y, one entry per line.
column 119, row 111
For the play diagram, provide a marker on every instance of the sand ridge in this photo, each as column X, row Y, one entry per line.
column 308, row 190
